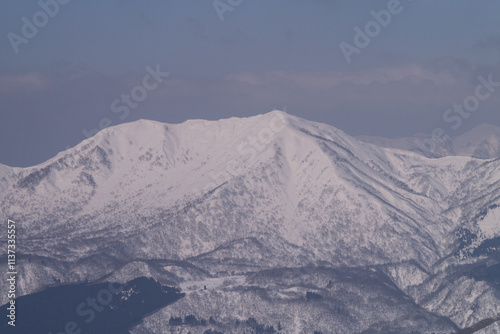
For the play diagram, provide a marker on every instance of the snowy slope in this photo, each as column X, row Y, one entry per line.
column 481, row 142
column 6, row 177
column 245, row 194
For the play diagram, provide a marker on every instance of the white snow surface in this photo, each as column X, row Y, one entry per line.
column 490, row 224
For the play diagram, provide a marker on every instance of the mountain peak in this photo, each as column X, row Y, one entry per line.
column 278, row 112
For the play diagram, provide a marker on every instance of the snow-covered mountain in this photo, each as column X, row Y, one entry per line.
column 482, row 142
column 276, row 210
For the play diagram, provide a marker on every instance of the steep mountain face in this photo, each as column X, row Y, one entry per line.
column 481, row 142
column 276, row 209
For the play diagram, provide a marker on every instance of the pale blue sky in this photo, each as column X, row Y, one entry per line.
column 265, row 54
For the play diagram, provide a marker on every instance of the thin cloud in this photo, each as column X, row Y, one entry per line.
column 28, row 82
column 410, row 74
